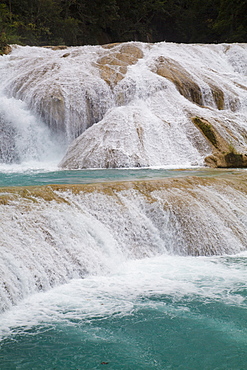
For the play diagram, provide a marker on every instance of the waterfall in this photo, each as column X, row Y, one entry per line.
column 135, row 104
column 131, row 267
column 57, row 233
column 68, row 97
column 25, row 139
column 121, row 105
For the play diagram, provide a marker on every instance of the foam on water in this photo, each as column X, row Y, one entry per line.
column 54, row 236
column 131, row 286
column 93, row 261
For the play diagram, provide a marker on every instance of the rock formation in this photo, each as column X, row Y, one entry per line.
column 114, row 66
column 136, row 104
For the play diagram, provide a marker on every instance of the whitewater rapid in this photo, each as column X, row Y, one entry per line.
column 131, row 286
column 121, row 105
column 128, row 105
column 52, row 234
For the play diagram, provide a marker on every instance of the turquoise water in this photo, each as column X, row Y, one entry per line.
column 35, row 177
column 166, row 312
column 207, row 336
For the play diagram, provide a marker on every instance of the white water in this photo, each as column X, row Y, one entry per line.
column 127, row 289
column 48, row 243
column 26, row 140
column 143, row 120
column 46, row 101
column 68, row 96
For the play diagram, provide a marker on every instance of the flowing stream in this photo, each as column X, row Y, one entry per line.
column 118, row 268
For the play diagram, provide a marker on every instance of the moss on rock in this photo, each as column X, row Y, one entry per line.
column 224, row 153
column 207, row 129
column 236, row 160
column 218, row 96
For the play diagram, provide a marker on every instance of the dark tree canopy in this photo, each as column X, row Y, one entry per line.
column 79, row 22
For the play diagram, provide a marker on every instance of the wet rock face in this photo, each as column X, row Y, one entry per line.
column 44, row 98
column 218, row 96
column 209, row 132
column 7, row 49
column 229, row 160
column 136, row 104
column 113, row 67
column 131, row 137
column 58, row 87
column 185, row 83
column 225, row 155
column 235, row 160
column 52, row 108
column 174, row 72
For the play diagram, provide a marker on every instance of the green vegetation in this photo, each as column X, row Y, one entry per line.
column 78, row 22
column 234, row 160
column 8, row 33
column 206, row 129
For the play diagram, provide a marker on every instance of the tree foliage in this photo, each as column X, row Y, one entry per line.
column 78, row 22
column 231, row 21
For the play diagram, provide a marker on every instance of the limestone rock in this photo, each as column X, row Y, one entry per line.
column 52, row 108
column 58, row 87
column 57, row 47
column 113, row 66
column 132, row 137
column 7, row 49
column 136, row 104
column 218, row 96
column 225, row 155
column 174, row 72
column 188, row 87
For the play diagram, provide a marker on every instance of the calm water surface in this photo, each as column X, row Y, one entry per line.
column 37, row 177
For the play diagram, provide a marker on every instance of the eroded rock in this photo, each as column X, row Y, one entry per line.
column 182, row 79
column 224, row 155
column 7, row 49
column 218, row 96
column 56, row 47
column 113, row 66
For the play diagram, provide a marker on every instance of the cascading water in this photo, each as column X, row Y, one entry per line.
column 25, row 139
column 103, row 96
column 26, row 142
column 148, row 273
column 68, row 235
